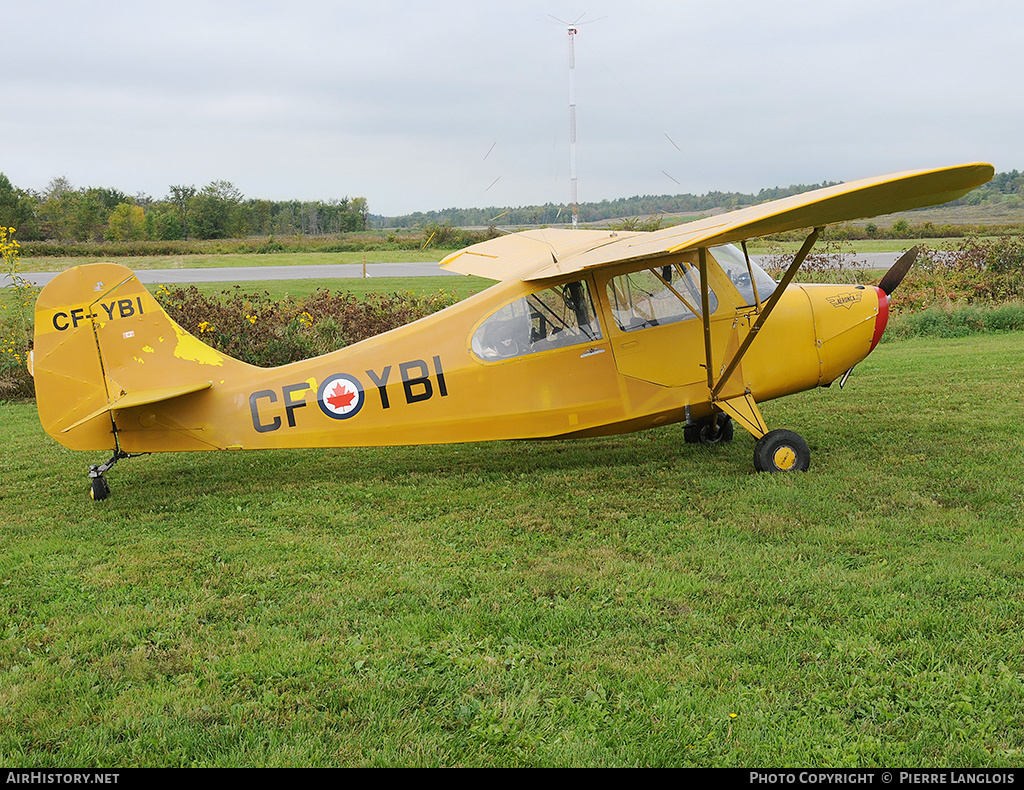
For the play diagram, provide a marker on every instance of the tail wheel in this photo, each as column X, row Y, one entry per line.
column 100, row 488
column 781, row 451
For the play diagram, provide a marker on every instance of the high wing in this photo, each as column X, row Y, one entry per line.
column 511, row 256
column 543, row 254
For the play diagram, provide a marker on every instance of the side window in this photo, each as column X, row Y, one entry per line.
column 652, row 297
column 553, row 318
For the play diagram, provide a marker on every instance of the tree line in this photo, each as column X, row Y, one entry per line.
column 218, row 210
column 555, row 213
column 1005, row 188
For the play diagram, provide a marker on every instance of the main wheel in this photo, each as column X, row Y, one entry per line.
column 100, row 489
column 704, row 431
column 781, row 451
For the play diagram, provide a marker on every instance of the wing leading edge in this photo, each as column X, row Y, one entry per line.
column 544, row 254
column 507, row 257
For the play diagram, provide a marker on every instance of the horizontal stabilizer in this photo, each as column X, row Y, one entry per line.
column 143, row 398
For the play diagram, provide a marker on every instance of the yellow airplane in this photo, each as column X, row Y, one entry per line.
column 587, row 333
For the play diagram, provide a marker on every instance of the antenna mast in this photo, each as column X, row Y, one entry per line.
column 572, row 126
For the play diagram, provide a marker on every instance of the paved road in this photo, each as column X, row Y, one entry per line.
column 873, row 260
column 862, row 260
column 325, row 271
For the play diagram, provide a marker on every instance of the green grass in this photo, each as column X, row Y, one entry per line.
column 616, row 602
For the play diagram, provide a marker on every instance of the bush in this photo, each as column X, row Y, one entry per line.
column 943, row 321
column 973, row 271
column 16, row 310
column 251, row 327
column 825, row 262
column 266, row 332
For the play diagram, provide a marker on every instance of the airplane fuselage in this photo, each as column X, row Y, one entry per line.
column 569, row 373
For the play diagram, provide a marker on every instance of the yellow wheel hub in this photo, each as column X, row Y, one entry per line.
column 784, row 458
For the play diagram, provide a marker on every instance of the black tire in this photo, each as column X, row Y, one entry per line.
column 781, row 451
column 723, row 432
column 703, row 431
column 100, row 489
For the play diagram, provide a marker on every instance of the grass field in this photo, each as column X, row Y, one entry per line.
column 221, row 260
column 625, row 601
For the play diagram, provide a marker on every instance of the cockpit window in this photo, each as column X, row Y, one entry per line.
column 553, row 318
column 661, row 295
column 734, row 264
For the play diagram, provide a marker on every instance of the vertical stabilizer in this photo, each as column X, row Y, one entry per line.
column 103, row 343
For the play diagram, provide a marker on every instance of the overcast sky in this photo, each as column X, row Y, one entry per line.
column 419, row 106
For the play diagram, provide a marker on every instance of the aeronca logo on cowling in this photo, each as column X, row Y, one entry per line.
column 846, row 300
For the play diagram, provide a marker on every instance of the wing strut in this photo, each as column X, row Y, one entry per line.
column 787, row 278
column 705, row 311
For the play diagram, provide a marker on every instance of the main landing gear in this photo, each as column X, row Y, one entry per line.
column 781, row 451
column 716, row 429
column 777, row 451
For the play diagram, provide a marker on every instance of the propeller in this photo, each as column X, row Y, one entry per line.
column 898, row 271
column 890, row 281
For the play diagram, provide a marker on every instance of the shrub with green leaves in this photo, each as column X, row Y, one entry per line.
column 973, row 271
column 939, row 321
column 267, row 332
column 16, row 309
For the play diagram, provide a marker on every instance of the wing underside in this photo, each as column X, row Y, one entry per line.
column 549, row 253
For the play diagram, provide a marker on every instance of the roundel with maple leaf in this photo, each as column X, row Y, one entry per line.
column 340, row 396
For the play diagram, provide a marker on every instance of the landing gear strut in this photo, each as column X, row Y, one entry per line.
column 100, row 488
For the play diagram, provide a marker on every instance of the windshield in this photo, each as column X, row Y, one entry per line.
column 653, row 297
column 734, row 264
